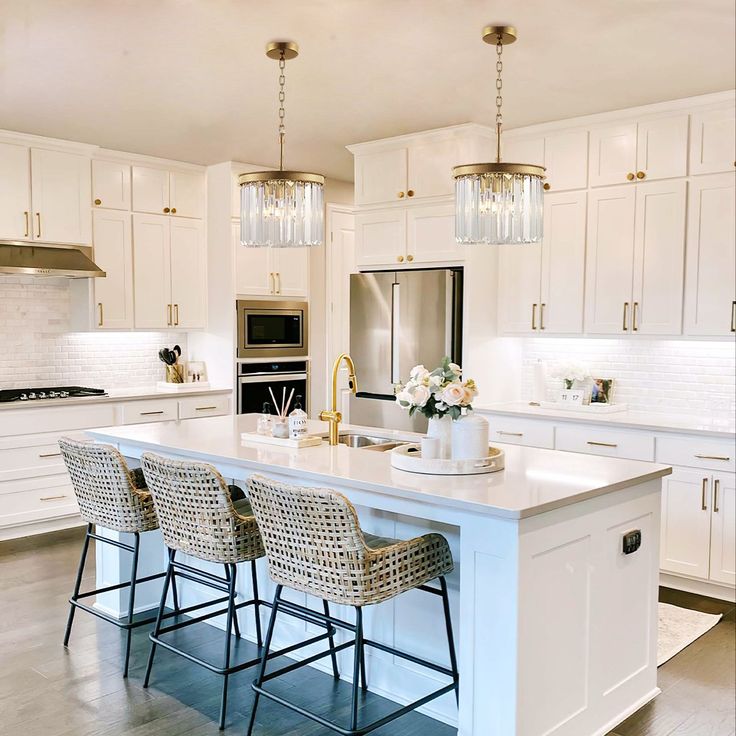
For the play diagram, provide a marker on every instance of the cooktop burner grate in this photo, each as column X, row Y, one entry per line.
column 48, row 392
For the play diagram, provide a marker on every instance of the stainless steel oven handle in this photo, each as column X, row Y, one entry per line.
column 275, row 376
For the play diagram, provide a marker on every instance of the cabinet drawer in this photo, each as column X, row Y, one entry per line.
column 203, row 406
column 695, row 452
column 140, row 412
column 516, row 431
column 32, row 420
column 47, row 502
column 32, row 456
column 603, row 441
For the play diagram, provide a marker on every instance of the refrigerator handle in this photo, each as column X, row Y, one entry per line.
column 395, row 330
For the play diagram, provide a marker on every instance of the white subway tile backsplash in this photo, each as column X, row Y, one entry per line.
column 37, row 347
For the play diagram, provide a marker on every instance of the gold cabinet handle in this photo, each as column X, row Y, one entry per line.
column 626, row 317
column 401, row 195
column 168, row 309
column 716, row 487
column 204, row 408
column 173, row 210
column 166, row 210
column 101, row 320
column 176, row 315
column 631, row 176
column 547, row 186
column 38, row 217
column 641, row 175
column 400, row 259
column 28, row 227
column 634, row 326
column 278, row 281
column 52, row 498
column 98, row 202
column 49, row 454
column 602, row 444
column 733, row 316
column 534, row 316
column 713, row 457
column 541, row 316
column 410, row 258
column 410, row 193
column 703, row 504
column 151, row 413
column 273, row 283
column 509, row 434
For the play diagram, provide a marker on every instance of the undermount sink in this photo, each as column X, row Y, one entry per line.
column 368, row 442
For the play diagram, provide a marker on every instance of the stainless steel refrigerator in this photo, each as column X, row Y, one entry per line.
column 399, row 320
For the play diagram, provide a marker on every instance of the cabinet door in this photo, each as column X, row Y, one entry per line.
column 612, row 154
column 152, row 271
column 431, row 234
column 710, row 283
column 563, row 263
column 114, row 255
column 713, row 141
column 659, row 258
column 150, row 190
column 566, row 159
column 60, row 192
column 380, row 237
column 186, row 194
column 291, row 271
column 430, row 168
column 111, row 185
column 253, row 272
column 188, row 274
column 15, row 192
column 519, row 270
column 685, row 536
column 723, row 530
column 380, row 176
column 609, row 270
column 661, row 148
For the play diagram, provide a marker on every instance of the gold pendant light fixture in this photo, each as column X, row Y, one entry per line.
column 498, row 202
column 281, row 209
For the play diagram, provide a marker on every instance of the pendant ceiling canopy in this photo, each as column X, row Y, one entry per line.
column 281, row 209
column 498, row 202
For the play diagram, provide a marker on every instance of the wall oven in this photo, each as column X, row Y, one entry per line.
column 254, row 380
column 272, row 329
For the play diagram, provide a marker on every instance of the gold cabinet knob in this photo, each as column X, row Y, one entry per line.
column 641, row 175
column 547, row 186
column 401, row 195
column 173, row 210
column 410, row 193
column 630, row 176
column 166, row 210
column 410, row 258
column 98, row 201
column 400, row 259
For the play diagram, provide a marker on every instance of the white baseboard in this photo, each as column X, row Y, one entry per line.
column 621, row 717
column 30, row 529
column 699, row 587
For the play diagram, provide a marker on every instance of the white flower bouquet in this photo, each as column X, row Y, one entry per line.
column 570, row 372
column 438, row 393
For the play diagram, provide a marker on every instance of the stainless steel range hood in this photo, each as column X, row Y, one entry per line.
column 48, row 259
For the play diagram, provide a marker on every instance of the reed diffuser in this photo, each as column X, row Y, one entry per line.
column 281, row 423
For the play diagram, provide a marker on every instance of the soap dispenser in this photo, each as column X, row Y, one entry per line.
column 298, row 421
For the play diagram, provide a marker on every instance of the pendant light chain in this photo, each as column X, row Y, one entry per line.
column 499, row 97
column 282, row 111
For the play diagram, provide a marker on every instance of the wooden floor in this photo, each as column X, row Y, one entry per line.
column 46, row 690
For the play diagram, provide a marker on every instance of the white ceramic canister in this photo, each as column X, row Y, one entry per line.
column 470, row 438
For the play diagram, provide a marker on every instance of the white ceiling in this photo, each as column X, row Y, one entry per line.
column 188, row 79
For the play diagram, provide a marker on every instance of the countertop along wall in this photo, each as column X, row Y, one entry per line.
column 37, row 347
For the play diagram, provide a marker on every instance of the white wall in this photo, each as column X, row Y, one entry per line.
column 38, row 348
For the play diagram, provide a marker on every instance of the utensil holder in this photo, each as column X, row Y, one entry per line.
column 174, row 374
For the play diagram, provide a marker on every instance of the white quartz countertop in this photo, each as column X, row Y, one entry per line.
column 113, row 395
column 679, row 423
column 533, row 482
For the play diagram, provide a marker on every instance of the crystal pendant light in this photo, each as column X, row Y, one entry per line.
column 498, row 202
column 281, row 209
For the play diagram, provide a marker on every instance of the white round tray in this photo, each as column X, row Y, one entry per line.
column 409, row 458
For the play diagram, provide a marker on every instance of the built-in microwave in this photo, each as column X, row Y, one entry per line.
column 272, row 329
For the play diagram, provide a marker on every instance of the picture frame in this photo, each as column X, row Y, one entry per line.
column 602, row 391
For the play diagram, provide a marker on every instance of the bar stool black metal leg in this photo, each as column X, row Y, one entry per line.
column 356, row 667
column 77, row 585
column 159, row 617
column 174, row 593
column 264, row 657
column 257, row 604
column 450, row 638
column 231, row 573
column 131, row 600
column 227, row 577
column 333, row 656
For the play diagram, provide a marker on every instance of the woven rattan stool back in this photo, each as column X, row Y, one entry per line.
column 104, row 489
column 196, row 514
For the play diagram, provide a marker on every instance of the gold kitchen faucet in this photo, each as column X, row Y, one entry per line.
column 333, row 416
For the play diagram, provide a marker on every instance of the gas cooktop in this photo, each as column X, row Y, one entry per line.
column 48, row 392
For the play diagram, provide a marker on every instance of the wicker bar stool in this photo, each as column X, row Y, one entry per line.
column 314, row 544
column 199, row 519
column 114, row 497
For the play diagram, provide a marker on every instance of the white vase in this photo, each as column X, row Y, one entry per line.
column 441, row 428
column 470, row 438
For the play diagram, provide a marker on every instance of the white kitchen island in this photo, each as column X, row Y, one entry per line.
column 556, row 627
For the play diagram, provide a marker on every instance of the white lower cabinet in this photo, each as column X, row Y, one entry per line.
column 604, row 441
column 723, row 529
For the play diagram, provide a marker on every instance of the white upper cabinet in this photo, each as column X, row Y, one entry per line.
column 60, row 194
column 188, row 263
column 152, row 271
column 713, row 140
column 186, row 194
column 523, row 150
column 381, row 176
column 659, row 255
column 710, row 280
column 15, row 192
column 177, row 193
column 150, row 190
column 430, row 233
column 111, row 184
column 291, row 271
column 113, row 252
column 430, row 168
column 380, row 237
column 654, row 148
column 519, row 274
